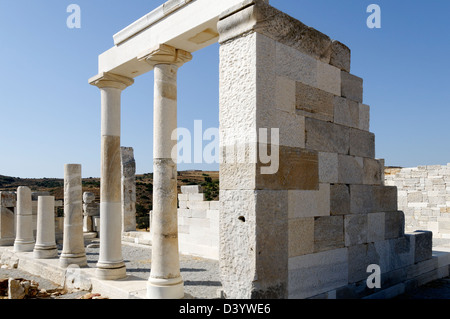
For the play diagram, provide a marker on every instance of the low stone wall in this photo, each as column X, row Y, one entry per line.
column 198, row 223
column 424, row 197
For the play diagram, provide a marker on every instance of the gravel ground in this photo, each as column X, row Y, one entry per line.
column 201, row 276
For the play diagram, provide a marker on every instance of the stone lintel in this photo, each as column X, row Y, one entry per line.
column 259, row 16
column 165, row 54
column 111, row 80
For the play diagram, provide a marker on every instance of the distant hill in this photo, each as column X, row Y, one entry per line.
column 144, row 186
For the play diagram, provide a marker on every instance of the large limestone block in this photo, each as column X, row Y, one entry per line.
column 294, row 168
column 285, row 94
column 314, row 101
column 252, row 221
column 423, row 245
column 402, row 251
column 301, row 236
column 364, row 117
column 340, row 56
column 328, row 167
column 355, row 229
column 191, row 189
column 309, row 203
column 326, row 137
column 372, row 172
column 362, row 143
column 385, row 198
column 362, row 199
column 375, row 227
column 260, row 17
column 346, row 112
column 394, row 224
column 351, row 169
column 328, row 233
column 351, row 87
column 359, row 258
column 312, row 274
column 339, row 199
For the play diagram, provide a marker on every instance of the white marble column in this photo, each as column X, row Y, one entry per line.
column 45, row 247
column 110, row 265
column 73, row 252
column 24, row 224
column 165, row 281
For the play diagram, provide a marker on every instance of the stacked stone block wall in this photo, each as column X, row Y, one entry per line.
column 424, row 197
column 198, row 223
column 314, row 226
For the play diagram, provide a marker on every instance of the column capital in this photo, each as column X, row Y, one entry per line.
column 165, row 54
column 111, row 80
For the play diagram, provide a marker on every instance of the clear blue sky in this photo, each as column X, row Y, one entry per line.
column 50, row 115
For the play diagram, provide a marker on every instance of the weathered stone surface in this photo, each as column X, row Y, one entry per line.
column 375, row 227
column 385, row 198
column 15, row 289
column 339, row 199
column 362, row 143
column 328, row 233
column 350, row 169
column 346, row 112
column 309, row 203
column 394, row 224
column 312, row 274
column 246, row 246
column 298, row 169
column 355, row 229
column 351, row 87
column 285, row 94
column 128, row 165
column 191, row 189
column 267, row 20
column 423, row 245
column 361, row 199
column 364, row 117
column 7, row 199
column 372, row 172
column 326, row 137
column 328, row 167
column 301, row 236
column 314, row 101
column 359, row 258
column 340, row 56
column 73, row 251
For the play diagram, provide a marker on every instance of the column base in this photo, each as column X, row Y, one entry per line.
column 165, row 288
column 23, row 246
column 67, row 260
column 45, row 252
column 110, row 272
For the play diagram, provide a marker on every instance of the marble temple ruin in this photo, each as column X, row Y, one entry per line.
column 310, row 229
